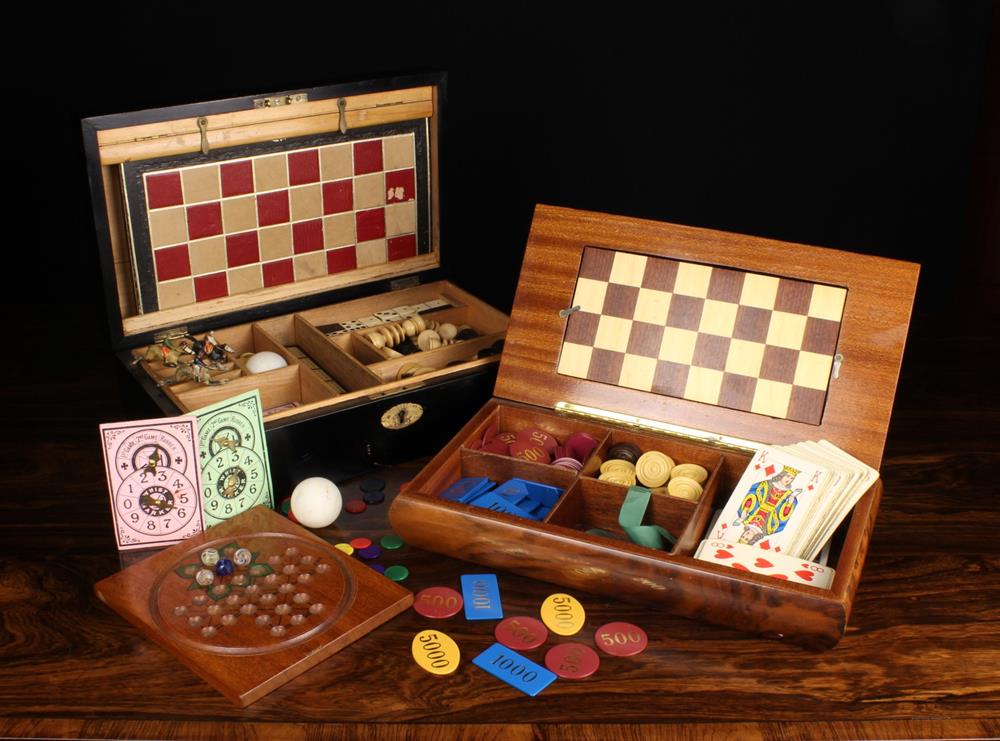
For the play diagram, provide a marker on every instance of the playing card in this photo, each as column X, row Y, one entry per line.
column 771, row 502
column 744, row 557
column 235, row 469
column 153, row 480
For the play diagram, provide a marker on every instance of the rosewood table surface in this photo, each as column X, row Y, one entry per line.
column 921, row 657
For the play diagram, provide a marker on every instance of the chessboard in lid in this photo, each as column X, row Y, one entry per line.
column 292, row 223
column 717, row 336
column 702, row 346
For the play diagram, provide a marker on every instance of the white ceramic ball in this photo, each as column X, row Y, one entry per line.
column 316, row 502
column 265, row 360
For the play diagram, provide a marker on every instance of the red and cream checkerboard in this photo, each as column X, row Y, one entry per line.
column 229, row 227
column 734, row 339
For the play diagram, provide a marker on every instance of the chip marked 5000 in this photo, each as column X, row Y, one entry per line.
column 516, row 670
column 435, row 652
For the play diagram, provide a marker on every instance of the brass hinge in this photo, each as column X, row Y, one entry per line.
column 640, row 424
column 278, row 100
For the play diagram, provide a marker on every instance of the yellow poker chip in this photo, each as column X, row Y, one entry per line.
column 346, row 548
column 690, row 471
column 653, row 468
column 684, row 488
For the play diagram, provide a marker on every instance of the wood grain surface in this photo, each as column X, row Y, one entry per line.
column 919, row 659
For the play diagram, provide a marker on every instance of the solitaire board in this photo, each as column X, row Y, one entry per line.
column 296, row 602
column 292, row 223
column 701, row 346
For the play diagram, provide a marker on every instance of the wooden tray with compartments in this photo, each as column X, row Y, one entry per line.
column 298, row 223
column 702, row 345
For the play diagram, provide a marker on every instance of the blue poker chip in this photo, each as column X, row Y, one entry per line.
column 373, row 497
column 370, row 553
column 372, row 485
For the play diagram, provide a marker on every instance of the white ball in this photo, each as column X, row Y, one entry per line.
column 265, row 360
column 316, row 502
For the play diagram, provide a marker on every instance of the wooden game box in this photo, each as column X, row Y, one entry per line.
column 700, row 344
column 297, row 222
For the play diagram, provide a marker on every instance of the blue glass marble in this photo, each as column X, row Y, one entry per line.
column 224, row 567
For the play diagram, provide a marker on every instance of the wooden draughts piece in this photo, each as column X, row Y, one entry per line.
column 297, row 602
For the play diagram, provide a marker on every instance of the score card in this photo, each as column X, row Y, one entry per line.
column 235, row 470
column 153, row 480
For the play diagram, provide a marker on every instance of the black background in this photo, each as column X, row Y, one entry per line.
column 865, row 127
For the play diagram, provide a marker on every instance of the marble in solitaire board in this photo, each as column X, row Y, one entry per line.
column 297, row 602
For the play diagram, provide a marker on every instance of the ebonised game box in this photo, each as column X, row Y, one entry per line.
column 302, row 223
column 702, row 345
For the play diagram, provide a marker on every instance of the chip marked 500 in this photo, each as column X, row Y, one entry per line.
column 516, row 670
column 482, row 597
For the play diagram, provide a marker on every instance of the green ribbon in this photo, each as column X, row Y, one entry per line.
column 630, row 518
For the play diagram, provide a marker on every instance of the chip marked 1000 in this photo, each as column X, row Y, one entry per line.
column 516, row 670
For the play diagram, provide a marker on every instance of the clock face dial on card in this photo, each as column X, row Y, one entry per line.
column 153, row 481
column 235, row 471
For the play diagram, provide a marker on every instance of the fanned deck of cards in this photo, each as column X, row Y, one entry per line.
column 788, row 503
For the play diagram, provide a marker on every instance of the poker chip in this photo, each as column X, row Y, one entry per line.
column 653, row 468
column 377, row 567
column 372, row 484
column 355, row 506
column 346, row 548
column 621, row 639
column 370, row 553
column 563, row 614
column 529, row 451
column 360, row 542
column 437, row 602
column 538, row 438
column 572, row 660
column 374, row 497
column 286, row 505
column 521, row 633
column 391, row 542
column 397, row 572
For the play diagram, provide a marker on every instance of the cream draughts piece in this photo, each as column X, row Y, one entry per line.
column 616, row 465
column 653, row 468
column 618, row 478
column 684, row 488
column 410, row 327
column 428, row 340
column 690, row 471
column 376, row 339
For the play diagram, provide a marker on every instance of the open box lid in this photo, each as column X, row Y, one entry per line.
column 729, row 338
column 223, row 212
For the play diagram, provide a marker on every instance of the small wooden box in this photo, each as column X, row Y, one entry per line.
column 297, row 223
column 700, row 344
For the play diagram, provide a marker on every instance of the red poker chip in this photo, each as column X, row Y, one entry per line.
column 496, row 445
column 572, row 660
column 355, row 506
column 521, row 633
column 529, row 452
column 437, row 602
column 580, row 445
column 621, row 639
column 538, row 437
column 360, row 543
column 507, row 437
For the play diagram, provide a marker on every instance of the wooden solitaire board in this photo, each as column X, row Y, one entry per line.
column 298, row 602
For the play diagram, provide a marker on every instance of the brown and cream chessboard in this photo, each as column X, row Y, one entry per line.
column 731, row 338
